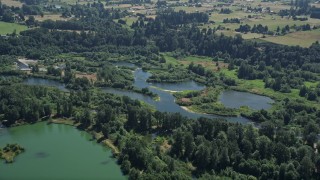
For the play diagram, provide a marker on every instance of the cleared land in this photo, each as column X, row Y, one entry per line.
column 303, row 38
column 273, row 21
column 53, row 17
column 14, row 3
column 8, row 28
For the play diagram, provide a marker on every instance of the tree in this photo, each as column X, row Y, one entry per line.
column 264, row 146
column 125, row 166
column 189, row 145
column 202, row 156
column 132, row 117
column 281, row 153
column 306, row 168
column 47, row 110
column 267, row 129
column 224, row 158
column 145, row 120
column 31, row 21
column 178, row 145
column 246, row 147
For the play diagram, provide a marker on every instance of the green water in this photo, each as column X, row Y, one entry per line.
column 57, row 152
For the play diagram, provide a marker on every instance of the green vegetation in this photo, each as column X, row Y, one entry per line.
column 304, row 39
column 9, row 28
column 206, row 101
column 10, row 151
column 79, row 52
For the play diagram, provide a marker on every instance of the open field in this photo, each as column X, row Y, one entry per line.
column 53, row 17
column 272, row 21
column 8, row 28
column 129, row 20
column 14, row 3
column 204, row 61
column 303, row 38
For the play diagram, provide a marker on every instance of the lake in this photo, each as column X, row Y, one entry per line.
column 57, row 151
column 236, row 99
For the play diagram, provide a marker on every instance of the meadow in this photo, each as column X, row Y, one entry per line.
column 8, row 28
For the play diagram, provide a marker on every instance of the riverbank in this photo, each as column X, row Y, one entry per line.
column 165, row 90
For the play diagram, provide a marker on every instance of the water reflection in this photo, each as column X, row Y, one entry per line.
column 167, row 100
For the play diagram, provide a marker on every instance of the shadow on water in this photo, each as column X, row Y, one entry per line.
column 105, row 162
column 41, row 155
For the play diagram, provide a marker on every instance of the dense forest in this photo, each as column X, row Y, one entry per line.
column 215, row 148
column 283, row 146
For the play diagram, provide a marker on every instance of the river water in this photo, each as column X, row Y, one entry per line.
column 62, row 152
column 167, row 100
column 232, row 99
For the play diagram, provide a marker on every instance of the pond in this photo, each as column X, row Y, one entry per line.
column 45, row 82
column 57, row 152
column 236, row 99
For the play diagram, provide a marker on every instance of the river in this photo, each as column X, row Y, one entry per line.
column 167, row 100
column 62, row 152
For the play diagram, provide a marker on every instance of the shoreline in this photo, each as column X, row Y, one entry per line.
column 191, row 111
column 166, row 90
column 106, row 142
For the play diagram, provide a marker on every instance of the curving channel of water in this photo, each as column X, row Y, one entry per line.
column 167, row 100
column 167, row 103
column 62, row 152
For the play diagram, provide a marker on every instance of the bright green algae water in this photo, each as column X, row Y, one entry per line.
column 57, row 151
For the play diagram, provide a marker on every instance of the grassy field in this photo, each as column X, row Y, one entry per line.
column 14, row 3
column 53, row 17
column 303, row 38
column 130, row 20
column 8, row 28
column 202, row 60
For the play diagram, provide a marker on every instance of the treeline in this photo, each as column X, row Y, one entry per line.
column 6, row 62
column 115, row 77
column 95, row 9
column 214, row 148
column 26, row 103
column 255, row 29
column 130, row 2
column 170, row 75
column 225, row 11
column 298, row 7
column 310, row 93
column 40, row 43
column 17, row 14
column 231, row 20
column 171, row 17
column 315, row 13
